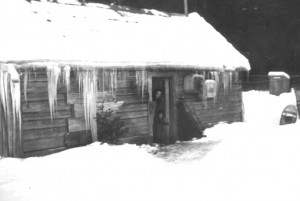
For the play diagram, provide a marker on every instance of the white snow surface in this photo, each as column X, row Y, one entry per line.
column 253, row 160
column 98, row 35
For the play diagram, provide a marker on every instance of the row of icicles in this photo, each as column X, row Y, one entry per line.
column 90, row 82
column 227, row 77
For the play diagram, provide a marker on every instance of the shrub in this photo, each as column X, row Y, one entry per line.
column 109, row 126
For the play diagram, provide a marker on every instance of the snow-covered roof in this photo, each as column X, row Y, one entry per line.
column 279, row 74
column 98, row 35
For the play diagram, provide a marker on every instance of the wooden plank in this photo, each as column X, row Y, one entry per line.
column 215, row 108
column 42, row 144
column 40, row 124
column 79, row 108
column 224, row 108
column 124, row 90
column 41, row 87
column 135, row 107
column 218, row 100
column 136, row 122
column 132, row 99
column 79, row 113
column 43, row 106
column 34, row 71
column 216, row 119
column 36, row 77
column 44, row 133
column 126, row 83
column 135, row 131
column 26, row 116
column 42, row 97
column 133, row 114
column 217, row 105
column 76, row 98
column 193, row 97
column 167, row 101
column 43, row 152
column 216, row 114
column 78, row 138
column 76, row 124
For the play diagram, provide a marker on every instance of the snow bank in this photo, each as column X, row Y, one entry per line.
column 264, row 109
column 254, row 160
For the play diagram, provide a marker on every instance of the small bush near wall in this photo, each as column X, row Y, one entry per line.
column 109, row 126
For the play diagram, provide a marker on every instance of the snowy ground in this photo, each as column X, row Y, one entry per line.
column 257, row 160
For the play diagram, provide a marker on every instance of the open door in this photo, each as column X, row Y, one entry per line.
column 162, row 115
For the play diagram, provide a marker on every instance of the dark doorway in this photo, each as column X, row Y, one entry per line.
column 162, row 118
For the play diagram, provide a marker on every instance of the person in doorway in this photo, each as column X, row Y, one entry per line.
column 158, row 119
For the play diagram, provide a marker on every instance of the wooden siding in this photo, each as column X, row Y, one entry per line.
column 42, row 135
column 226, row 108
column 133, row 112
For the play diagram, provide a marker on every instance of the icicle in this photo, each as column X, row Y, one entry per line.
column 88, row 85
column 111, row 82
column 140, row 79
column 16, row 106
column 3, row 88
column 10, row 99
column 34, row 70
column 216, row 77
column 66, row 74
column 103, row 81
column 236, row 77
column 230, row 80
column 80, row 82
column 248, row 75
column 143, row 83
column 227, row 79
column 137, row 81
column 25, row 84
column 15, row 92
column 53, row 73
column 225, row 82
column 204, row 91
column 116, row 82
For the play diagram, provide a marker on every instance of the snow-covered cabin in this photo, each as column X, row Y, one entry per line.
column 58, row 62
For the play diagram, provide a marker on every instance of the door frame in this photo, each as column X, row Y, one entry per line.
column 173, row 80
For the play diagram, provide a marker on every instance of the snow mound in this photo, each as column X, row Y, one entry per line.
column 264, row 109
column 254, row 160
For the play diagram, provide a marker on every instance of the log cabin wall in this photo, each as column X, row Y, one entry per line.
column 228, row 106
column 42, row 135
column 133, row 111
